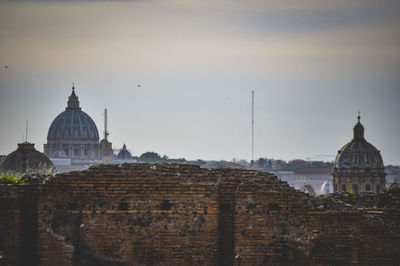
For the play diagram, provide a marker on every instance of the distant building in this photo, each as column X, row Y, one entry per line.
column 358, row 166
column 299, row 173
column 26, row 160
column 124, row 156
column 73, row 139
column 106, row 146
column 284, row 175
column 106, row 151
column 393, row 175
column 313, row 176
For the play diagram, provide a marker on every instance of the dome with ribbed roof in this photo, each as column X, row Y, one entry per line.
column 26, row 160
column 124, row 154
column 358, row 166
column 358, row 153
column 73, row 123
column 73, row 134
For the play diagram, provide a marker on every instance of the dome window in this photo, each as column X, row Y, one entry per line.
column 368, row 187
column 356, row 157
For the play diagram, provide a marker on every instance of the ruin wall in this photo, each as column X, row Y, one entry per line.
column 152, row 214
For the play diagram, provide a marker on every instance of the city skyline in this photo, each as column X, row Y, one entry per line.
column 312, row 64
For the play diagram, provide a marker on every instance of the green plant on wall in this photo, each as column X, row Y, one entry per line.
column 11, row 179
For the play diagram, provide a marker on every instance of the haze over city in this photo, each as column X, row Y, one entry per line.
column 312, row 64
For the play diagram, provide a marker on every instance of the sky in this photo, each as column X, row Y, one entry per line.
column 313, row 64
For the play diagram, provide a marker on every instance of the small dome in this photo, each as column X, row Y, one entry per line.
column 27, row 160
column 124, row 154
column 358, row 153
column 73, row 123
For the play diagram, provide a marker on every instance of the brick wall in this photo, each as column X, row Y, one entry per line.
column 151, row 214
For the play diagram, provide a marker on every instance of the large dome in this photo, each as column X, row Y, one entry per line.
column 73, row 123
column 359, row 153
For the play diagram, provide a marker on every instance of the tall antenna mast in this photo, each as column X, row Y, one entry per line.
column 26, row 131
column 252, row 126
column 105, row 125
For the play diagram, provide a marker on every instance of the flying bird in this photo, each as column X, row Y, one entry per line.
column 139, row 86
column 5, row 66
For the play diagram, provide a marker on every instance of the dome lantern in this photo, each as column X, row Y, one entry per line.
column 358, row 129
column 73, row 102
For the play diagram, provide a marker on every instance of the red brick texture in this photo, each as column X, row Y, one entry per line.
column 152, row 214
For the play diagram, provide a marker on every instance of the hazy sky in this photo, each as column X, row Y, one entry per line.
column 312, row 64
